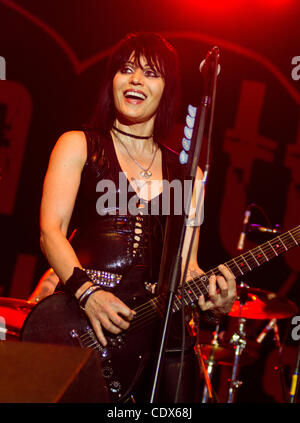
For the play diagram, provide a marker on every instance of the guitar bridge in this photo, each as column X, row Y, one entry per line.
column 89, row 340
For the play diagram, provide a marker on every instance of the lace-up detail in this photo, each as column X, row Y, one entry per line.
column 141, row 236
column 120, row 244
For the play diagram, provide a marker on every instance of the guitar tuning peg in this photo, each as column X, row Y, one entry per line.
column 186, row 144
column 183, row 157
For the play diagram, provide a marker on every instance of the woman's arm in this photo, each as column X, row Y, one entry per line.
column 46, row 286
column 222, row 289
column 59, row 194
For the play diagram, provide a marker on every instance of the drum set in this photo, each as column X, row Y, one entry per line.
column 13, row 313
column 251, row 304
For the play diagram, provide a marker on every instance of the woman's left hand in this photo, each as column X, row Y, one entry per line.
column 221, row 291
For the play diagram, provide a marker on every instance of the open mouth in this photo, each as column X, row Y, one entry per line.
column 135, row 95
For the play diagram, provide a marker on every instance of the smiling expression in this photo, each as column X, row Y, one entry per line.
column 137, row 91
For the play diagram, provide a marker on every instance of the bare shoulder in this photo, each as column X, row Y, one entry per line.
column 72, row 140
column 70, row 146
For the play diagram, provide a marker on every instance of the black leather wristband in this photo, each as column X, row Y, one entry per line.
column 76, row 280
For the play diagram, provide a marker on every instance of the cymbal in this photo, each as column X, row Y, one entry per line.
column 224, row 355
column 254, row 303
column 15, row 303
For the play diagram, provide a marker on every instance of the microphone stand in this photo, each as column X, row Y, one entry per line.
column 175, row 271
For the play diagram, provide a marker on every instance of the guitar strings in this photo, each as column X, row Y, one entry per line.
column 150, row 308
column 263, row 248
column 147, row 312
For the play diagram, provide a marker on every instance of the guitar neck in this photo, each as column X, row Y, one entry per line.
column 239, row 266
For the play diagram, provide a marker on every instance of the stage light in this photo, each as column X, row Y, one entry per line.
column 221, row 6
column 277, row 2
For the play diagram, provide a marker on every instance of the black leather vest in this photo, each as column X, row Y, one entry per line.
column 125, row 244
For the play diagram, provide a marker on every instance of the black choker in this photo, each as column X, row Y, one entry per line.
column 131, row 135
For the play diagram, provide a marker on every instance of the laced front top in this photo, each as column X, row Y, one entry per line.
column 105, row 238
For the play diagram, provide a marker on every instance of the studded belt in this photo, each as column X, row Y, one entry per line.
column 103, row 278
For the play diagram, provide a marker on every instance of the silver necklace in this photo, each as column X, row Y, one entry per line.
column 145, row 173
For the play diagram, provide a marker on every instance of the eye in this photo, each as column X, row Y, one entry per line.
column 127, row 69
column 151, row 73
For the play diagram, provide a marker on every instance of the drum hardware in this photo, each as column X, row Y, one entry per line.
column 262, row 305
column 15, row 303
column 13, row 313
column 6, row 333
column 254, row 303
column 239, row 341
column 271, row 326
column 210, row 362
column 206, row 371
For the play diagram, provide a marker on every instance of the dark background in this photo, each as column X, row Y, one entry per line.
column 55, row 54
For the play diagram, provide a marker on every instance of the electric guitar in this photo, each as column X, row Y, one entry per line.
column 58, row 319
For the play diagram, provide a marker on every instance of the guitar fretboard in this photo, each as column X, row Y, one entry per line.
column 239, row 266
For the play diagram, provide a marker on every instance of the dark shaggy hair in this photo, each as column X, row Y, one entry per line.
column 160, row 55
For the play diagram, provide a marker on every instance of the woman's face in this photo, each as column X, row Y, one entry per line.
column 137, row 91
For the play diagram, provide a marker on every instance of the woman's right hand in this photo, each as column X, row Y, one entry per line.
column 105, row 310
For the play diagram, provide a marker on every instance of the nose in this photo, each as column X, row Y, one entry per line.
column 137, row 77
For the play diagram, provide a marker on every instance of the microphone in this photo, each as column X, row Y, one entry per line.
column 271, row 325
column 206, row 64
column 258, row 228
column 247, row 215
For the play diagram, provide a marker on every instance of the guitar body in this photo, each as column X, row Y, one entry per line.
column 59, row 320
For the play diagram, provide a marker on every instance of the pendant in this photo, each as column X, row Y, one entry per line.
column 146, row 174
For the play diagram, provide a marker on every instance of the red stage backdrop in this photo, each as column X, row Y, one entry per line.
column 53, row 55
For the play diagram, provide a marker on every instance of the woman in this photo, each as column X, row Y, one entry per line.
column 134, row 116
